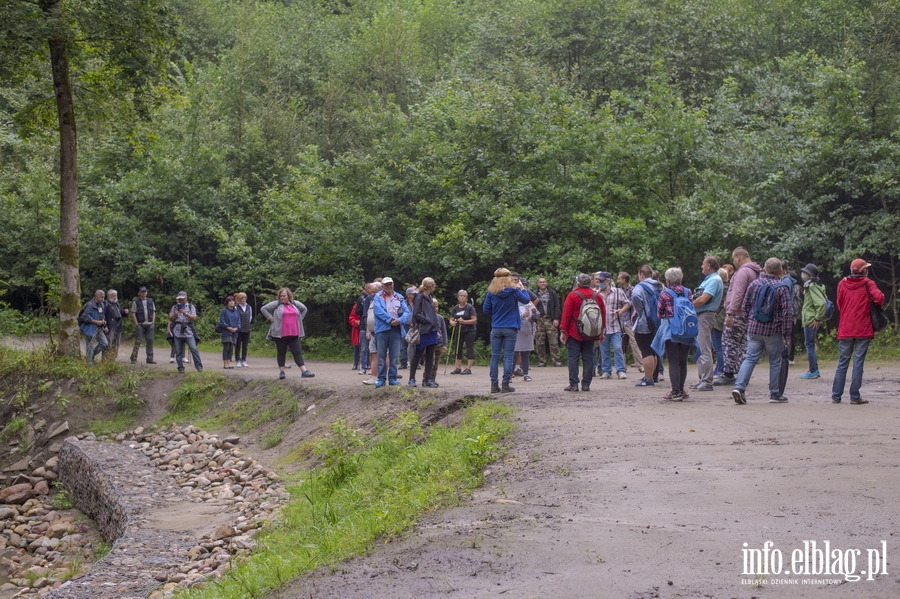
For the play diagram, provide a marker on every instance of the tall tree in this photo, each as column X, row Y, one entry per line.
column 121, row 47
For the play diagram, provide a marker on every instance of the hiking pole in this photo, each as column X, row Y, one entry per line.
column 453, row 351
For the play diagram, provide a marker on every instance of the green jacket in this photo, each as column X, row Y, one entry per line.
column 813, row 303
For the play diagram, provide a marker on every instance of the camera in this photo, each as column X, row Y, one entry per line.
column 179, row 306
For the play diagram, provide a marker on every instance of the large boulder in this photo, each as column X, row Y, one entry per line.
column 17, row 494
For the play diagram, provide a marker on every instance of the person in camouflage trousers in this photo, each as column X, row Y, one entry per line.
column 547, row 324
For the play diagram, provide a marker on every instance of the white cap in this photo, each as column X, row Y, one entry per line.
column 387, row 280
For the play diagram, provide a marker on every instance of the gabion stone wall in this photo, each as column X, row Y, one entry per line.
column 115, row 485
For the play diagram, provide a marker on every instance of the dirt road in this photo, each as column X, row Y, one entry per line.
column 617, row 494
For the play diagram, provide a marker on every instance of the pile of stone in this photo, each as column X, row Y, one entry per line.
column 45, row 547
column 216, row 471
column 40, row 546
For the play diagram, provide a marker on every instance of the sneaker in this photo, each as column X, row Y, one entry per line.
column 171, row 360
column 810, row 375
column 703, row 387
column 694, row 385
column 307, row 374
column 778, row 398
column 572, row 388
column 370, row 381
column 379, row 384
column 181, row 371
column 281, row 375
column 403, row 367
column 791, row 362
column 394, row 383
column 645, row 382
column 411, row 383
column 431, row 384
column 148, row 362
column 466, row 371
column 660, row 379
column 672, row 396
column 457, row 371
column 621, row 376
column 606, row 375
column 541, row 364
column 557, row 364
column 527, row 378
column 724, row 380
column 858, row 402
column 244, row 364
column 134, row 362
column 739, row 397
column 517, row 371
column 362, row 372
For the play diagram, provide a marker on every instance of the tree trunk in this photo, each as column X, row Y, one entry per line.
column 70, row 283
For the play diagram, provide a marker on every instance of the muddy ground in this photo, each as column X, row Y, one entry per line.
column 617, row 493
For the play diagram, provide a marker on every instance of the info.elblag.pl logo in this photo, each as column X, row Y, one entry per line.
column 813, row 559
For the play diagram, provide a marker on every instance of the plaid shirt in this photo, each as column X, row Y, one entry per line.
column 666, row 306
column 784, row 311
column 614, row 302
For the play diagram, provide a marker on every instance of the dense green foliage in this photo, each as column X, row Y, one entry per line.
column 317, row 144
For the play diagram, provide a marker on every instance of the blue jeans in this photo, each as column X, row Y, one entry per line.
column 584, row 350
column 179, row 353
column 614, row 339
column 857, row 348
column 365, row 362
column 809, row 341
column 755, row 345
column 95, row 345
column 716, row 335
column 503, row 340
column 388, row 344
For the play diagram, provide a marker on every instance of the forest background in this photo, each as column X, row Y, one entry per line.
column 320, row 144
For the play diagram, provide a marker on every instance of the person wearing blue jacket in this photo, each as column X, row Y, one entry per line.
column 390, row 314
column 502, row 304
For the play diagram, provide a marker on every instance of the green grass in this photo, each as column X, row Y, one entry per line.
column 279, row 404
column 368, row 489
column 192, row 397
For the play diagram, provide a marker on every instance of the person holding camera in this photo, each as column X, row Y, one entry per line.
column 183, row 315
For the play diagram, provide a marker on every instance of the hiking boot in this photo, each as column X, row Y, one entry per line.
column 517, row 371
column 506, row 388
column 572, row 388
column 495, row 388
column 810, row 375
column 739, row 397
column 858, row 402
column 585, row 388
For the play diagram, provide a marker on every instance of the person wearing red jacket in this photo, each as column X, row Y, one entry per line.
column 578, row 345
column 855, row 328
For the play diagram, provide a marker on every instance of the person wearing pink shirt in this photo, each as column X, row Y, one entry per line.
column 286, row 315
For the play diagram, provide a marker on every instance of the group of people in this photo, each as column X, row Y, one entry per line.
column 738, row 312
column 101, row 321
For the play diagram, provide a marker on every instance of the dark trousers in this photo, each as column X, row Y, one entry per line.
column 240, row 351
column 428, row 352
column 468, row 339
column 584, row 350
column 283, row 344
column 786, row 354
column 227, row 349
column 677, row 353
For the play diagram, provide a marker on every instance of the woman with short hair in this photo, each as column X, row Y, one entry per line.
column 243, row 335
column 286, row 315
column 464, row 317
column 229, row 324
column 677, row 352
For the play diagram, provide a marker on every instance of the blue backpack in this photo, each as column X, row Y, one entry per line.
column 829, row 309
column 684, row 325
column 651, row 312
column 764, row 304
